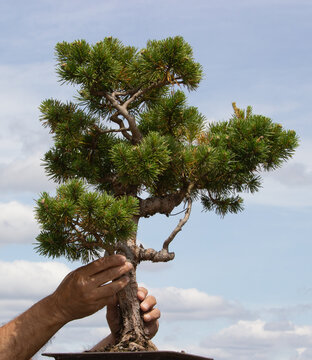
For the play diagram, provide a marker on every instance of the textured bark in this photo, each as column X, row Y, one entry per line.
column 161, row 205
column 131, row 336
column 155, row 256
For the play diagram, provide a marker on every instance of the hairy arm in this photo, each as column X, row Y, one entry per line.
column 22, row 337
column 80, row 294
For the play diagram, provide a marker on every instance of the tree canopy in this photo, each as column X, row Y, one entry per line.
column 130, row 146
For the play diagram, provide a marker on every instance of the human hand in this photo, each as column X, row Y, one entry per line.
column 150, row 314
column 88, row 288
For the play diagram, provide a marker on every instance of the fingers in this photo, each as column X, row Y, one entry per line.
column 142, row 293
column 151, row 329
column 110, row 274
column 152, row 315
column 103, row 263
column 112, row 288
column 148, row 303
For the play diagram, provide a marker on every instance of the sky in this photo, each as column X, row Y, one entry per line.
column 240, row 287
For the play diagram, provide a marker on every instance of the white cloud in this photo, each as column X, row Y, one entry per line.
column 274, row 193
column 297, row 172
column 10, row 148
column 26, row 174
column 22, row 89
column 192, row 304
column 17, row 223
column 10, row 308
column 290, row 185
column 70, row 339
column 26, row 282
column 260, row 340
column 30, row 280
column 22, row 283
column 294, row 175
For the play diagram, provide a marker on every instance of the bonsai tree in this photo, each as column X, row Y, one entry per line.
column 130, row 147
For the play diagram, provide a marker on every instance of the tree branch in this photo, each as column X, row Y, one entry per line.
column 155, row 256
column 162, row 205
column 164, row 255
column 136, row 254
column 122, row 110
column 213, row 200
column 113, row 130
column 114, row 118
column 123, row 93
column 144, row 91
column 178, row 228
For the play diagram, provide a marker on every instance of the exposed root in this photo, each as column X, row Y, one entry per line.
column 129, row 344
column 132, row 346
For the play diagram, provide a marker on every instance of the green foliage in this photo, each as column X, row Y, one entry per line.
column 142, row 164
column 171, row 116
column 78, row 223
column 169, row 59
column 80, row 144
column 223, row 204
column 110, row 66
column 238, row 150
column 161, row 145
column 103, row 65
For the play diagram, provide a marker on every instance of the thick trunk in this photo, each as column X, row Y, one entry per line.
column 131, row 336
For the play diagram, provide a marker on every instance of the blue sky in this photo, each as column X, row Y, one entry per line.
column 240, row 287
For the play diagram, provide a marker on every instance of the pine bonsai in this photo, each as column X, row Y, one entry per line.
column 130, row 147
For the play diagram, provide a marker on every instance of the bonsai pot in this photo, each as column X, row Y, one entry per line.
column 142, row 355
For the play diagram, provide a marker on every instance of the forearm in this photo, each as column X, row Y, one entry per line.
column 22, row 337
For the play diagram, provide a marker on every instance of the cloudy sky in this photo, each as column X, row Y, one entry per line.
column 240, row 287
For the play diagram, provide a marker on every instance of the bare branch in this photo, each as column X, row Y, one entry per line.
column 178, row 228
column 155, row 256
column 144, row 91
column 182, row 222
column 122, row 110
column 122, row 93
column 162, row 205
column 114, row 130
column 166, row 203
column 137, row 254
column 114, row 118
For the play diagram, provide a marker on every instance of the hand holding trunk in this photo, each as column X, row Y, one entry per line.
column 150, row 316
column 91, row 287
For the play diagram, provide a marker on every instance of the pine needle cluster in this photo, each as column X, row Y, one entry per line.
column 130, row 132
